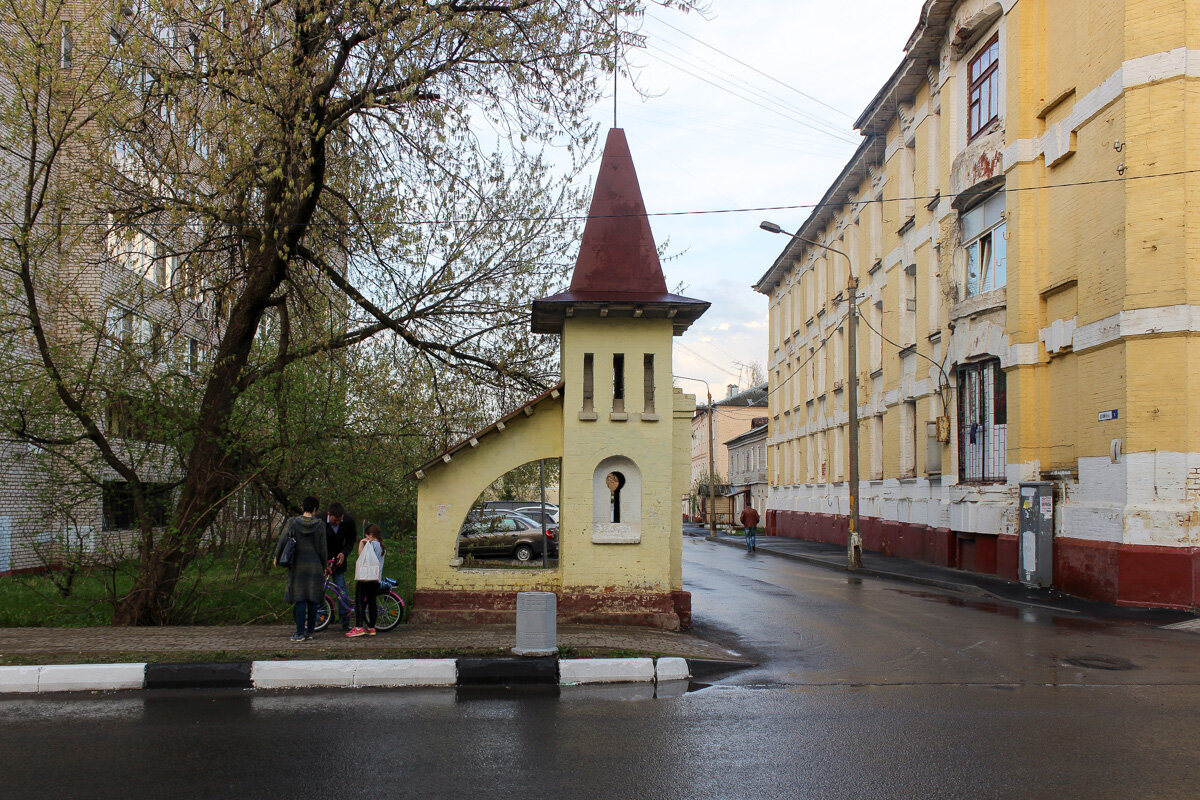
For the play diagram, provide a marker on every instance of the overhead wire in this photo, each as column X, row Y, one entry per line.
column 749, row 67
column 669, row 60
column 762, row 94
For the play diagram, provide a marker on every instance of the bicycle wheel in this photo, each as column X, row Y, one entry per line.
column 324, row 613
column 391, row 611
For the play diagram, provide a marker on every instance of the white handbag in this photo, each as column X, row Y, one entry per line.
column 368, row 566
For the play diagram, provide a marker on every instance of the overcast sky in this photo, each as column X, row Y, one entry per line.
column 715, row 134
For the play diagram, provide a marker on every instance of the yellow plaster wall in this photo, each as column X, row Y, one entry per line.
column 456, row 486
column 652, row 564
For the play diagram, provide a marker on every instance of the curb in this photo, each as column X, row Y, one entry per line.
column 965, row 588
column 358, row 673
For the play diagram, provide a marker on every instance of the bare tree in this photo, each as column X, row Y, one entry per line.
column 211, row 204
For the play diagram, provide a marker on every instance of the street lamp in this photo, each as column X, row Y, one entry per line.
column 712, row 475
column 854, row 541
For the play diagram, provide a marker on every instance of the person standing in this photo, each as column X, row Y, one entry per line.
column 367, row 572
column 749, row 520
column 340, row 535
column 306, row 571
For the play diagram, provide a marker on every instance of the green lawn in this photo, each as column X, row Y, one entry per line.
column 212, row 592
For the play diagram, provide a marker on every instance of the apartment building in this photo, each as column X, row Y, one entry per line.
column 1028, row 302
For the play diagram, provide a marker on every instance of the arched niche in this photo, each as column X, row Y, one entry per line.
column 616, row 502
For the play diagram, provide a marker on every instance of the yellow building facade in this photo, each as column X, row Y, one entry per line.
column 620, row 427
column 1029, row 301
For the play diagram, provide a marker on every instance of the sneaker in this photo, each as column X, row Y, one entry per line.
column 297, row 637
column 355, row 632
column 370, row 631
column 308, row 637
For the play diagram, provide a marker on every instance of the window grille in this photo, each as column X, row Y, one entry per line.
column 982, row 423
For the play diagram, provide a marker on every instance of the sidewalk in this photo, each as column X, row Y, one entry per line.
column 28, row 646
column 875, row 565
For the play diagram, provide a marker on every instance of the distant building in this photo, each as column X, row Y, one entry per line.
column 748, row 468
column 1018, row 219
column 730, row 417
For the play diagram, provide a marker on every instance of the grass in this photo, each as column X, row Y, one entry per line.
column 211, row 592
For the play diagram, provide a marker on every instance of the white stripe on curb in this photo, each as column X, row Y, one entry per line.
column 90, row 677
column 19, row 679
column 351, row 673
column 574, row 671
column 672, row 669
column 335, row 673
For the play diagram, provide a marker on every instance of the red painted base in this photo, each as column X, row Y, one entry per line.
column 670, row 611
column 28, row 570
column 1135, row 575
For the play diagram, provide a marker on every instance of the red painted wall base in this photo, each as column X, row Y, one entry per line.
column 670, row 611
column 1135, row 575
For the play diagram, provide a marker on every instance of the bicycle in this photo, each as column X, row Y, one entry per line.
column 390, row 604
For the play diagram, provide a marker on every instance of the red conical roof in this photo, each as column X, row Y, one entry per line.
column 617, row 272
column 617, row 253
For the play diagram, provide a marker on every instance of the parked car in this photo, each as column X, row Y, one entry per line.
column 504, row 534
column 535, row 514
column 517, row 505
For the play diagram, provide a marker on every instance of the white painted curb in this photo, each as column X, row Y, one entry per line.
column 672, row 669
column 19, row 679
column 407, row 672
column 575, row 671
column 354, row 673
column 90, row 677
column 297, row 674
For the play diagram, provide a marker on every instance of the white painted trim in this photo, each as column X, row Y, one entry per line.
column 1137, row 322
column 1178, row 63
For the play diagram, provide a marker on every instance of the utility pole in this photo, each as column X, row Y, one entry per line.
column 854, row 537
column 712, row 471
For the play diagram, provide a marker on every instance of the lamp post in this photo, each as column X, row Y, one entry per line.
column 854, row 540
column 712, row 476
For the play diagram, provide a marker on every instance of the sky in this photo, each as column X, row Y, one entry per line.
column 709, row 133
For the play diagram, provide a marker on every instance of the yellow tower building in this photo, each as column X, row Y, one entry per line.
column 620, row 427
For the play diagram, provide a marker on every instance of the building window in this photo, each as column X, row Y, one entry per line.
column 984, row 234
column 877, row 447
column 618, row 383
column 648, row 383
column 119, row 513
column 66, row 46
column 588, row 383
column 908, row 439
column 982, row 422
column 983, row 104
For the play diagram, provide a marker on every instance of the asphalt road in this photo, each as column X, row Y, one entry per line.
column 864, row 689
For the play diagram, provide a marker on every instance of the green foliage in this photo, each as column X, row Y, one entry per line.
column 216, row 592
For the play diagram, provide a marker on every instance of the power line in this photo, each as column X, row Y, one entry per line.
column 700, row 212
column 751, row 68
column 833, row 329
column 689, row 59
column 668, row 59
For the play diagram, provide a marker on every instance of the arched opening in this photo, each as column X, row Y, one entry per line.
column 615, row 482
column 509, row 525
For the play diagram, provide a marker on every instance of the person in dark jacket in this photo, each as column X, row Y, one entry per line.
column 749, row 520
column 306, row 573
column 341, row 534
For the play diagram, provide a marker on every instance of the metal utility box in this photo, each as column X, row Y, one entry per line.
column 537, row 624
column 1036, row 556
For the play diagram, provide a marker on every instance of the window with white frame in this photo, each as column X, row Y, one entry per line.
column 984, row 235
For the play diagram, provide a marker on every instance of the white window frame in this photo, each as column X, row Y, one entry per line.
column 985, row 245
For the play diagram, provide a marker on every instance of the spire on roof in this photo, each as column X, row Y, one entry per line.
column 617, row 253
column 618, row 272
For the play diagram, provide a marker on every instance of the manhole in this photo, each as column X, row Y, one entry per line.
column 1111, row 663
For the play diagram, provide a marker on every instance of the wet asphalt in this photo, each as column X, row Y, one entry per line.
column 862, row 688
